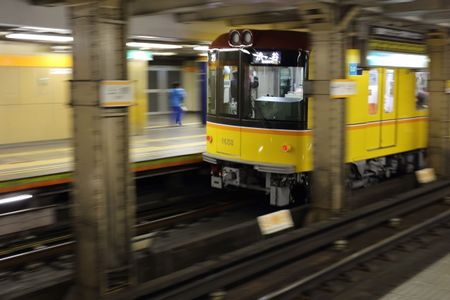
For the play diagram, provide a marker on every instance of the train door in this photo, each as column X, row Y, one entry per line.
column 381, row 128
column 389, row 109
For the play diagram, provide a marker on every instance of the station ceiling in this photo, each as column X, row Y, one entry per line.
column 196, row 22
column 257, row 12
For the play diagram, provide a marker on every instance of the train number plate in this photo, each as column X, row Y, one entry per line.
column 274, row 222
column 227, row 142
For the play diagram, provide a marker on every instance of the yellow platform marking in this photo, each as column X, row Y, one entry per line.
column 170, row 126
column 35, row 165
column 25, row 153
column 153, row 148
column 275, row 221
column 172, row 138
column 65, row 149
column 118, row 103
column 426, row 175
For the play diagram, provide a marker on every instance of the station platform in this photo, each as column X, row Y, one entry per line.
column 39, row 164
column 433, row 283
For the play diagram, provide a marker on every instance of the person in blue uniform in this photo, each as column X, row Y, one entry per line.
column 177, row 95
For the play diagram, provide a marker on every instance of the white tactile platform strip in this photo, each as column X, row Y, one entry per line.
column 30, row 160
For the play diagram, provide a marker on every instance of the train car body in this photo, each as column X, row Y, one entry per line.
column 259, row 123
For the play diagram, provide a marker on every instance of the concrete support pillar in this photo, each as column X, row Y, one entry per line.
column 104, row 187
column 329, row 131
column 439, row 103
column 327, row 22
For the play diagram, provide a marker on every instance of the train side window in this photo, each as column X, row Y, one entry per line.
column 373, row 91
column 388, row 102
column 421, row 90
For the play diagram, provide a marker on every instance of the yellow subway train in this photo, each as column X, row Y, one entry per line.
column 259, row 123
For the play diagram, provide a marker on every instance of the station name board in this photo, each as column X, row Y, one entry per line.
column 116, row 93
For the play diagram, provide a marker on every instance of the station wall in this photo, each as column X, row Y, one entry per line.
column 34, row 94
column 191, row 85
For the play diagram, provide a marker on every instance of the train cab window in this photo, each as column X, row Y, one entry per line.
column 421, row 90
column 227, row 92
column 211, row 90
column 388, row 102
column 230, row 91
column 373, row 92
column 276, row 93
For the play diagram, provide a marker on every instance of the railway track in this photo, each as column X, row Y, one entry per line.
column 267, row 269
column 49, row 210
column 307, row 254
column 339, row 272
column 165, row 216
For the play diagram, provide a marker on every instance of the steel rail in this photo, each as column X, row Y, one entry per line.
column 67, row 247
column 329, row 272
column 244, row 263
column 147, row 219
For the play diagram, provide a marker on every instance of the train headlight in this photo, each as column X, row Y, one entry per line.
column 286, row 148
column 247, row 37
column 209, row 138
column 235, row 38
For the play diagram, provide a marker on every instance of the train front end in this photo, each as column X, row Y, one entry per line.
column 257, row 122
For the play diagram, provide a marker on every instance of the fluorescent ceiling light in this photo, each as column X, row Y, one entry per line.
column 146, row 46
column 201, row 48
column 152, row 37
column 44, row 29
column 61, row 49
column 40, row 37
column 15, row 198
column 399, row 60
column 144, row 37
column 164, row 53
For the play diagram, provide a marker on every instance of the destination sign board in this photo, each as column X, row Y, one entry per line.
column 266, row 57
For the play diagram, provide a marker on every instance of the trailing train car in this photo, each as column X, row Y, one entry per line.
column 259, row 123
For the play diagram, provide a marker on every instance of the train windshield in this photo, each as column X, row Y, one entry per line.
column 270, row 89
column 276, row 93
